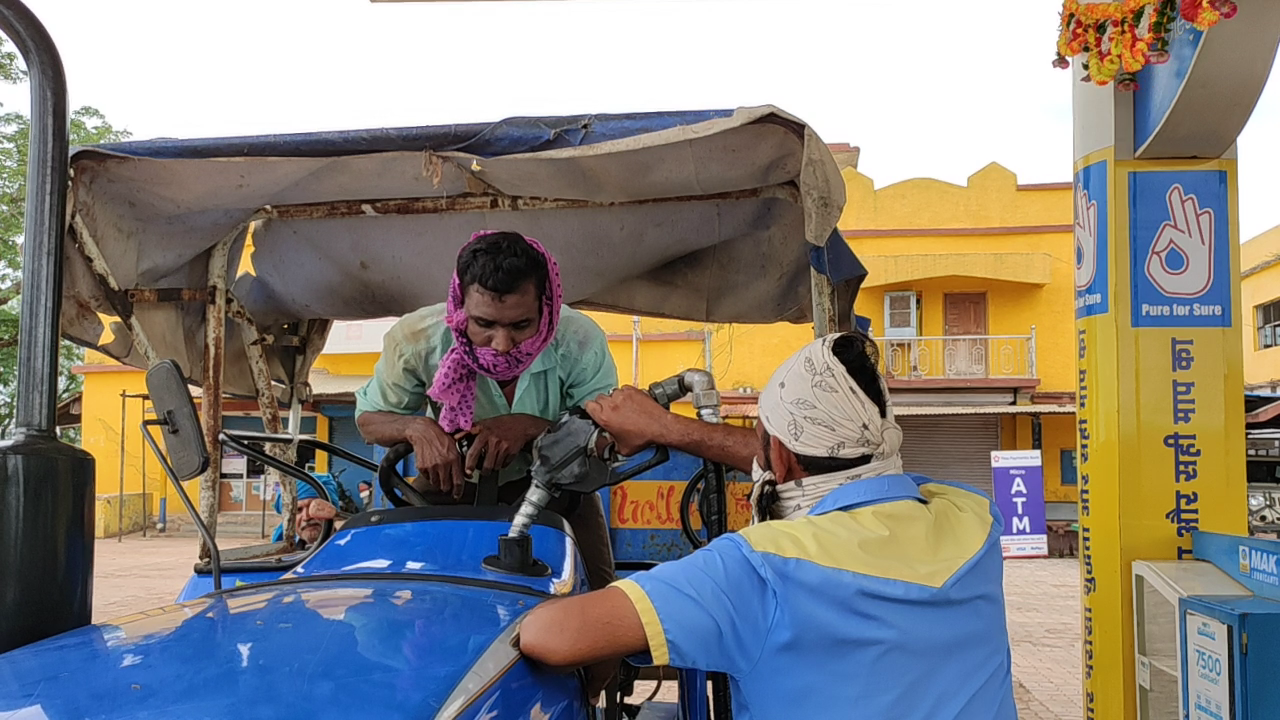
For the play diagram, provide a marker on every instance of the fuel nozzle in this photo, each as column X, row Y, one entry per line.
column 563, row 458
column 576, row 455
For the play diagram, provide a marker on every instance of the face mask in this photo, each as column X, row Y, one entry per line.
column 764, row 492
column 759, row 474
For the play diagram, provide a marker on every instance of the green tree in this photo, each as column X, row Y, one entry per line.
column 88, row 126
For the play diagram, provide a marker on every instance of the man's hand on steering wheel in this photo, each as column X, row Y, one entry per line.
column 437, row 457
column 499, row 439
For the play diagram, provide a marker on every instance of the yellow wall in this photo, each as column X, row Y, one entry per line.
column 1014, row 244
column 100, row 435
column 973, row 262
column 1260, row 284
column 108, row 517
column 322, row 432
column 990, row 198
column 1027, row 275
column 741, row 355
column 358, row 364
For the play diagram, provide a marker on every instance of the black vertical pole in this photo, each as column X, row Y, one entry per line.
column 46, row 487
column 47, row 158
column 715, row 517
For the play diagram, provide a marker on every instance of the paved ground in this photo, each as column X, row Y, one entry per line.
column 1043, row 609
column 141, row 573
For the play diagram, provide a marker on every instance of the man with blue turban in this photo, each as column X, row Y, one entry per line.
column 313, row 510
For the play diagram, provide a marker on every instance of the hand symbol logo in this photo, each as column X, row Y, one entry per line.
column 1180, row 263
column 1086, row 230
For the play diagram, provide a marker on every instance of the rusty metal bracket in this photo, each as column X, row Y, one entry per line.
column 489, row 202
column 169, row 295
column 270, row 408
column 240, row 314
column 215, row 328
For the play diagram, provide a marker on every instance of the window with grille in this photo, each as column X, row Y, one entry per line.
column 1268, row 323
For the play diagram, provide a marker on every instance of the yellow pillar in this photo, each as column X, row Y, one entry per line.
column 1161, row 406
column 1160, row 377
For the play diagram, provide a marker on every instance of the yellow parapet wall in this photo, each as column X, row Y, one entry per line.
column 108, row 521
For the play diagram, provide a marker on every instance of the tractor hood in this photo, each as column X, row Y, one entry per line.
column 342, row 647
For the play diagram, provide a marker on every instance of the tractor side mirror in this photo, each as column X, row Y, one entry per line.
column 176, row 413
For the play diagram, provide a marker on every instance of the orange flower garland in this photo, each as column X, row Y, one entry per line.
column 1204, row 14
column 1120, row 38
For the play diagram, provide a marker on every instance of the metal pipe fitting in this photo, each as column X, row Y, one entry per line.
column 706, row 399
column 698, row 383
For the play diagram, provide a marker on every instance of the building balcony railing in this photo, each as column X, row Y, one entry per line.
column 959, row 357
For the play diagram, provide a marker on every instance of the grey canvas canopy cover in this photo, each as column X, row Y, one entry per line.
column 704, row 216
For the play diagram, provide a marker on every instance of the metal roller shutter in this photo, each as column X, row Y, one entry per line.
column 956, row 447
column 344, row 433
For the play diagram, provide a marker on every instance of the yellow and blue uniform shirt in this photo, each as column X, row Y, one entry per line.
column 885, row 601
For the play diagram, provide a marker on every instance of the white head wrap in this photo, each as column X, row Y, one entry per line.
column 814, row 408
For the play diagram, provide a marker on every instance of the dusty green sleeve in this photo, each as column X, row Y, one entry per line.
column 398, row 384
column 593, row 371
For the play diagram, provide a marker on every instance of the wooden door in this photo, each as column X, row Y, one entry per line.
column 966, row 315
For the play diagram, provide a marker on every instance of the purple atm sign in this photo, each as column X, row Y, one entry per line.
column 1018, row 486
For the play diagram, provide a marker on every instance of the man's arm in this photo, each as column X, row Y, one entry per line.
column 590, row 371
column 636, row 422
column 568, row 633
column 728, row 444
column 386, row 409
column 711, row 610
column 389, row 429
column 435, row 451
column 387, row 405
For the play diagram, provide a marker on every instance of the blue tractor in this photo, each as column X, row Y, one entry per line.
column 410, row 611
column 402, row 611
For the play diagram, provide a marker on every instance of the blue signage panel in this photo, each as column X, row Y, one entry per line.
column 1093, row 291
column 1252, row 562
column 1018, row 487
column 1179, row 241
column 1159, row 85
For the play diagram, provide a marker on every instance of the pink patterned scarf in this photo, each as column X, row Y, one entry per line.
column 454, row 386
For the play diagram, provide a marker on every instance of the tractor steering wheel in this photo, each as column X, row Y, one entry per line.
column 393, row 485
column 398, row 490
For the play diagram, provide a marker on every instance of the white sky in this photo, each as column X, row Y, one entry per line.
column 929, row 88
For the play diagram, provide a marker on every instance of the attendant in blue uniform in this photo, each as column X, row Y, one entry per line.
column 858, row 591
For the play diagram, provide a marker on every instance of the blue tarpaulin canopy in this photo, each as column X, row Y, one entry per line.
column 706, row 216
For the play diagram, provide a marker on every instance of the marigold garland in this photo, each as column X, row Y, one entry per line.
column 1120, row 38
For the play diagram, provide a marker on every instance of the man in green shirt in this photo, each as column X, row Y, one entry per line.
column 501, row 360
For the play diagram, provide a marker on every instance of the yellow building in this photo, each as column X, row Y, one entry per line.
column 1260, row 304
column 969, row 290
